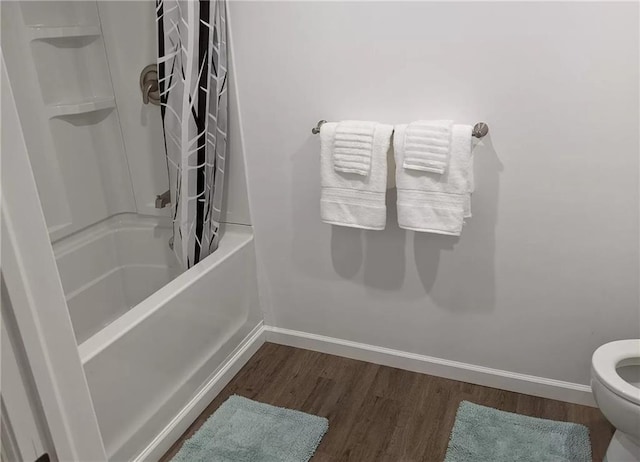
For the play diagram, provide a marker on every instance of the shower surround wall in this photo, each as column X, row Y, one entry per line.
column 79, row 65
column 133, row 22
column 154, row 341
column 58, row 65
column 547, row 268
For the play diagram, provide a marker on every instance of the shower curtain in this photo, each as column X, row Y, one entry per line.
column 192, row 77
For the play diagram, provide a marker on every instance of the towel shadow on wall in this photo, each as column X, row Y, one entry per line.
column 382, row 253
column 460, row 281
column 376, row 258
column 465, row 281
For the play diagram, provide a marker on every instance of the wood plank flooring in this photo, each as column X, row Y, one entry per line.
column 378, row 413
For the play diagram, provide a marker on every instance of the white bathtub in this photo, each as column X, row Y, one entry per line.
column 111, row 267
column 144, row 364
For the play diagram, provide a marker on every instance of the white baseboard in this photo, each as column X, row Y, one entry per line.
column 495, row 378
column 170, row 434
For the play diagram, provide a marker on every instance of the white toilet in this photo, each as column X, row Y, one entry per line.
column 615, row 382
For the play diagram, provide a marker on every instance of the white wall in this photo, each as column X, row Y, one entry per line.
column 547, row 268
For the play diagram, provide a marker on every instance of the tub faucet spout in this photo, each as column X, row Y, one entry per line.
column 162, row 200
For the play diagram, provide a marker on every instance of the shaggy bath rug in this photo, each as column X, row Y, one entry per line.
column 242, row 430
column 482, row 434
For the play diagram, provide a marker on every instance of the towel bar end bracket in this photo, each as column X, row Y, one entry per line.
column 480, row 130
column 315, row 130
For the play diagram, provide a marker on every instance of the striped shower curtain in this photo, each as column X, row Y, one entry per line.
column 192, row 76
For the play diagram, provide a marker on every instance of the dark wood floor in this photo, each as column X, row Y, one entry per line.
column 378, row 413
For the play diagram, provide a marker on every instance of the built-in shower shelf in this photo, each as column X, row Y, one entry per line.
column 81, row 107
column 42, row 32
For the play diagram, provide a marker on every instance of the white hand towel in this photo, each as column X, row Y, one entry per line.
column 353, row 146
column 427, row 145
column 430, row 202
column 348, row 199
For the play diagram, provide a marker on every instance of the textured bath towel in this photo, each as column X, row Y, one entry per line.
column 353, row 146
column 482, row 434
column 431, row 202
column 350, row 199
column 242, row 430
column 427, row 145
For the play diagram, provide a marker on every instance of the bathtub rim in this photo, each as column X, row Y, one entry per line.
column 74, row 293
column 113, row 224
column 234, row 237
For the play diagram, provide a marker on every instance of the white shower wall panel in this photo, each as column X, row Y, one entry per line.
column 50, row 13
column 58, row 68
column 129, row 32
column 69, row 68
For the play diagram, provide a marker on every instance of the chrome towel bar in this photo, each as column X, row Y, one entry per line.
column 479, row 130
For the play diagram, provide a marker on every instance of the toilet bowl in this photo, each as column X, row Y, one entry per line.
column 615, row 382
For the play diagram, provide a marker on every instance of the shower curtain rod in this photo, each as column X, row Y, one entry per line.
column 480, row 129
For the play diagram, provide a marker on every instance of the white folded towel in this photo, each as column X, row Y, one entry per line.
column 430, row 202
column 353, row 146
column 349, row 199
column 427, row 145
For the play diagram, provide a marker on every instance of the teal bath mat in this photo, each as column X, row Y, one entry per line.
column 482, row 434
column 242, row 430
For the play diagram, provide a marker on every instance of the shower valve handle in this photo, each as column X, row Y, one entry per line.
column 149, row 85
